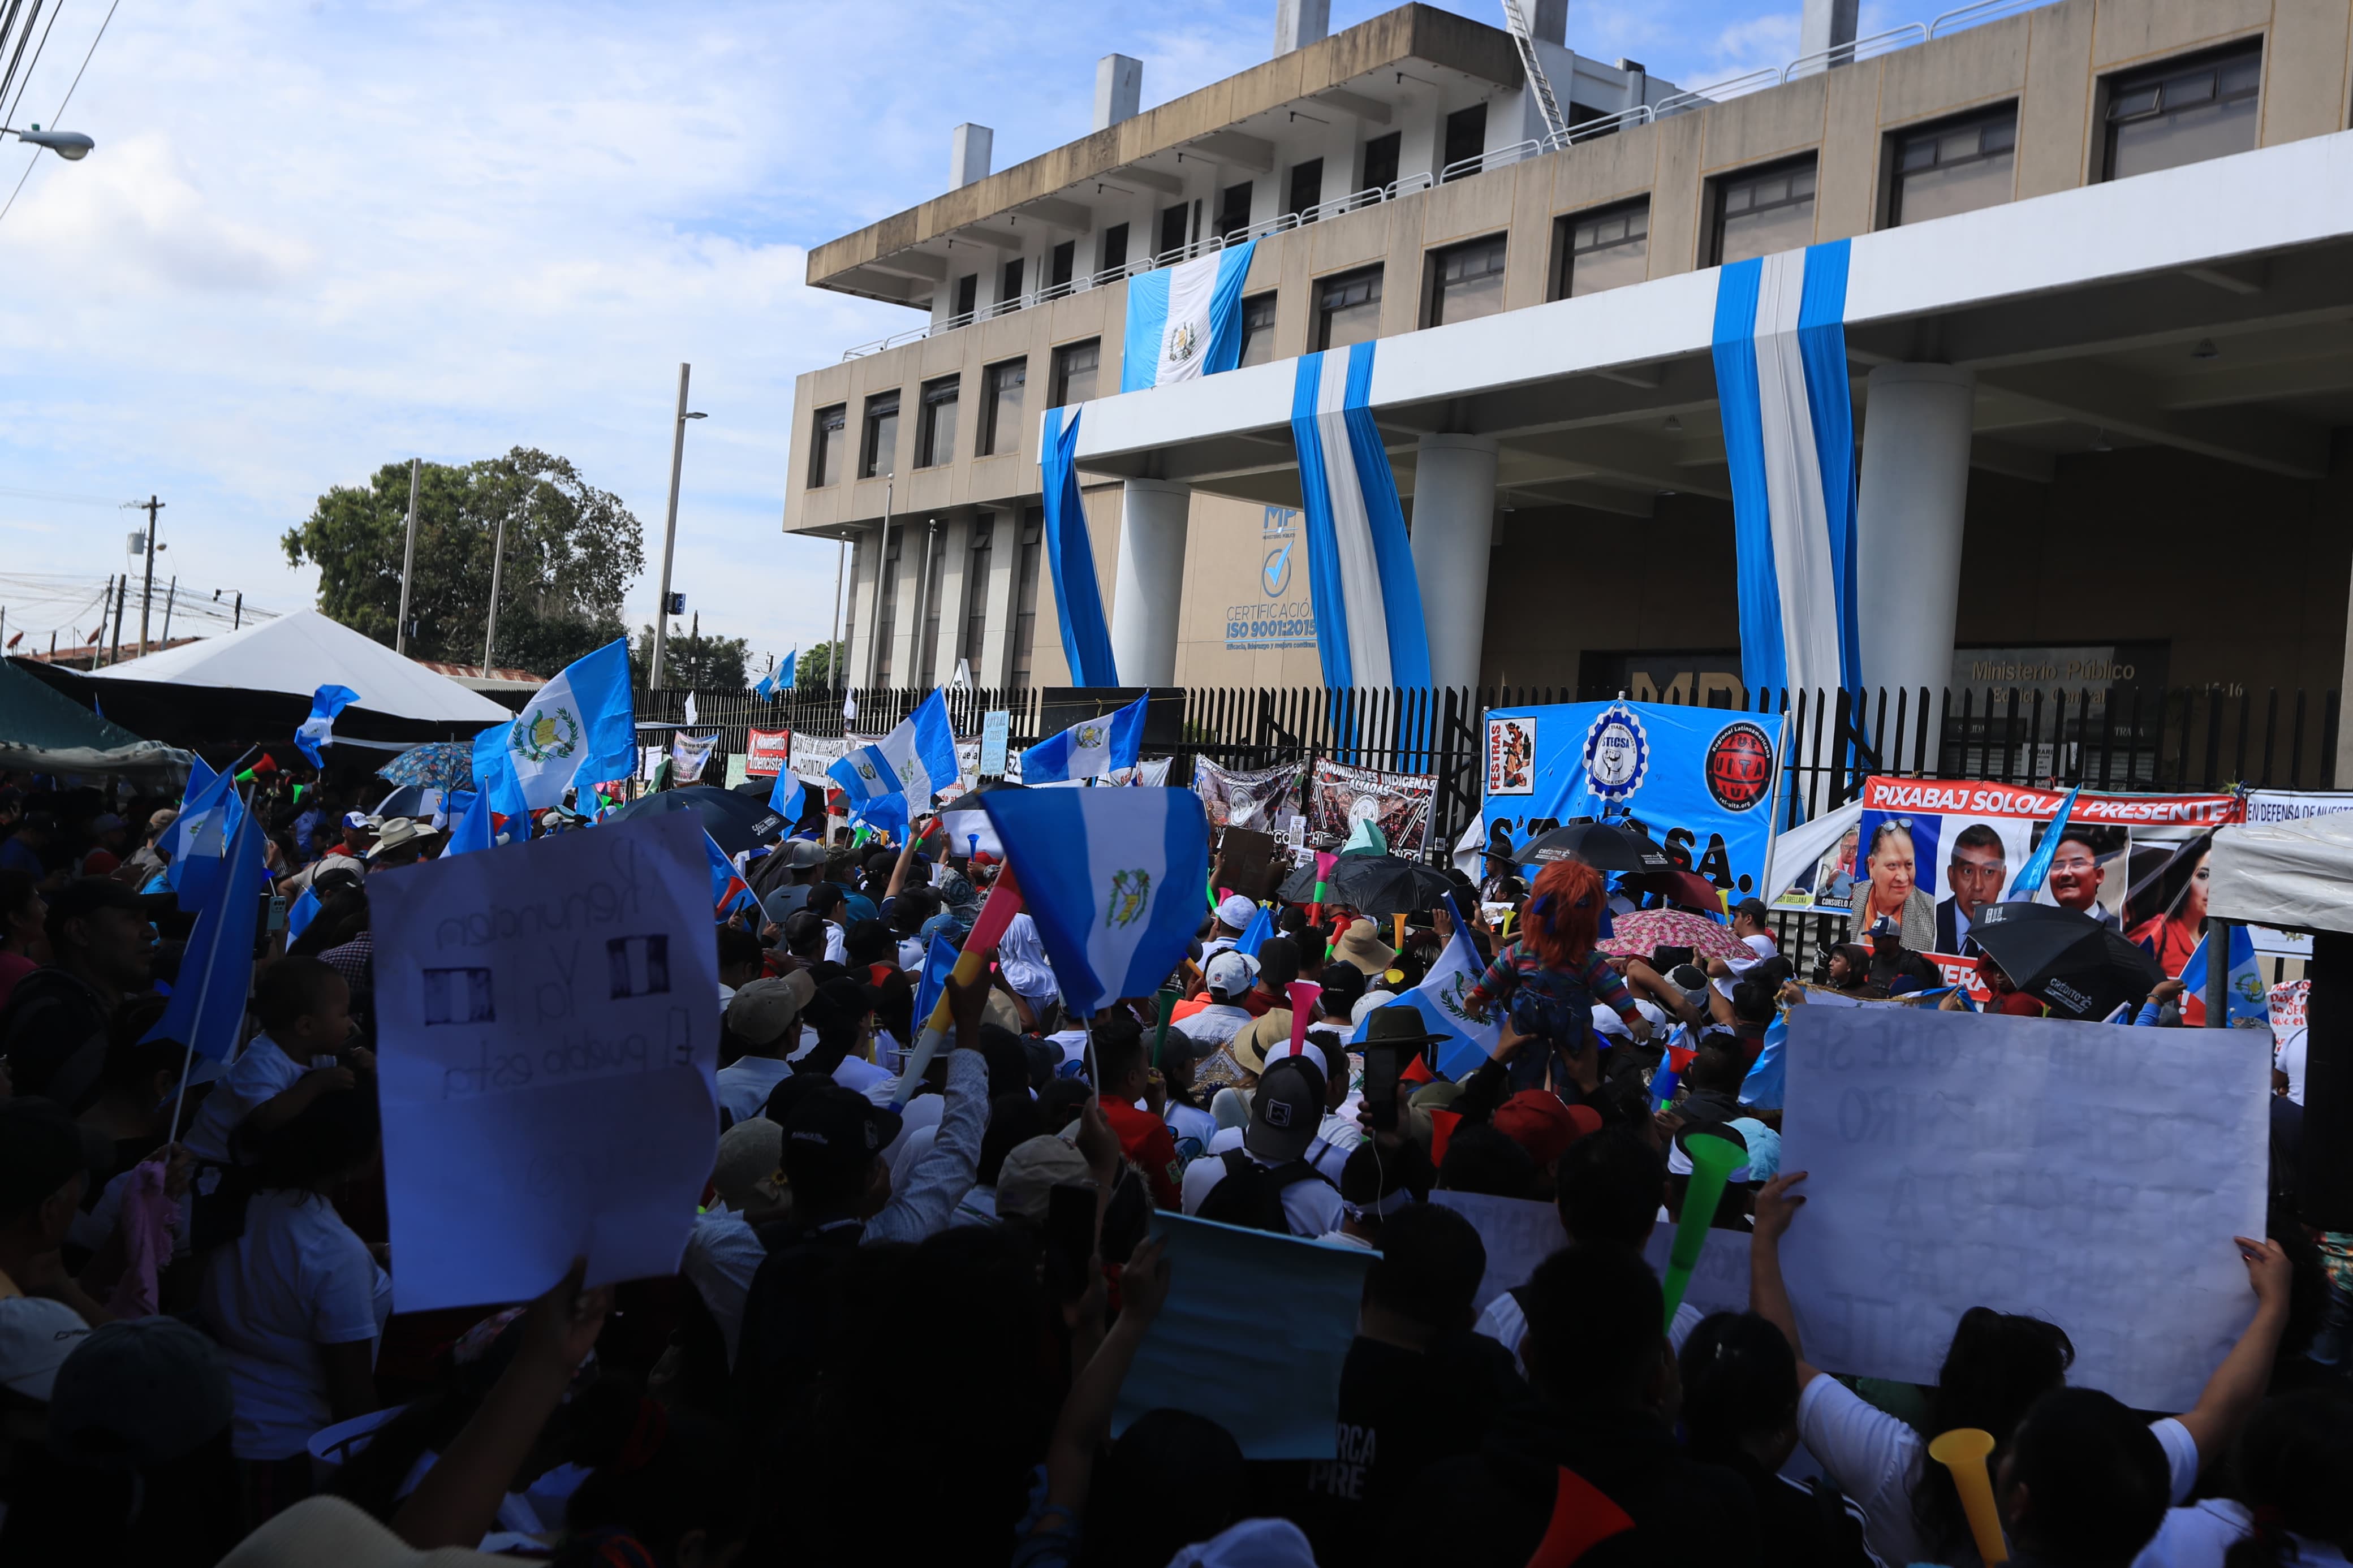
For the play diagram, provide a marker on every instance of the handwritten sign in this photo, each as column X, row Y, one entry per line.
column 1518, row 1233
column 2087, row 1173
column 1720, row 1283
column 547, row 1032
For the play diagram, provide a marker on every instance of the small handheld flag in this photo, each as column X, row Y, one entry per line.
column 1254, row 935
column 207, row 1012
column 300, row 913
column 1090, row 749
column 2030, row 876
column 318, row 728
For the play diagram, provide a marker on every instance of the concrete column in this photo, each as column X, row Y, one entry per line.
column 1297, row 23
column 1149, row 587
column 1549, row 22
column 1823, row 26
column 1119, row 90
column 970, row 150
column 1004, row 576
column 1909, row 512
column 1453, row 523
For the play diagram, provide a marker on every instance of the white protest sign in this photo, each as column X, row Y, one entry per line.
column 2087, row 1173
column 547, row 1032
column 1518, row 1233
column 1720, row 1282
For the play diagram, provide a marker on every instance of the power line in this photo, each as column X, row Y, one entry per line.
column 56, row 118
column 17, row 103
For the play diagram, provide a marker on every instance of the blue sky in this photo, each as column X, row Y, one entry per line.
column 318, row 238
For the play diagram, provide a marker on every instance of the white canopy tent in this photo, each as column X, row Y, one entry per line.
column 299, row 653
column 2294, row 874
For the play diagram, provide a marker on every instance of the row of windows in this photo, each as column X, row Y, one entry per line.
column 2183, row 112
column 972, row 636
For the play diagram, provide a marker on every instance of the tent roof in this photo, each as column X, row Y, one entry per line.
column 2296, row 874
column 39, row 729
column 299, row 653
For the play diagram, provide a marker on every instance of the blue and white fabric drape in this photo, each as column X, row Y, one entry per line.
column 1369, row 624
column 1788, row 435
column 1185, row 321
column 1071, row 555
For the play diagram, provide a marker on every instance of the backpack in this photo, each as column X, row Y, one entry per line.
column 1250, row 1195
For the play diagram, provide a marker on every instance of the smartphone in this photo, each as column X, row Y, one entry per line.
column 1384, row 1067
column 1070, row 1238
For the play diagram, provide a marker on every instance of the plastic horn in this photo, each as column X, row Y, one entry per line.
column 1713, row 1160
column 1670, row 1074
column 1396, row 926
column 1167, row 1001
column 1964, row 1451
column 996, row 911
column 1304, row 993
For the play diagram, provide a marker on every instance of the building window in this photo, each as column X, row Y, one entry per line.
column 1001, row 386
column 927, row 646
column 825, row 451
column 1009, row 291
column 1172, row 230
column 2184, row 113
column 1058, row 269
column 1348, row 308
column 1234, row 209
column 935, row 441
column 1025, row 597
column 1075, row 365
column 1760, row 211
column 1258, row 330
column 975, row 594
column 1381, row 161
column 1466, row 138
column 967, row 295
column 886, row 619
column 1602, row 249
column 1306, row 187
column 1955, row 167
column 1466, row 282
column 877, row 454
column 1114, row 247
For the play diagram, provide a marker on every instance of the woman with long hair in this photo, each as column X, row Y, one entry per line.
column 2173, row 931
column 1550, row 977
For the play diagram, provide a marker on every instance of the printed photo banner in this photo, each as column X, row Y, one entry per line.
column 1703, row 782
column 1339, row 797
column 1260, row 799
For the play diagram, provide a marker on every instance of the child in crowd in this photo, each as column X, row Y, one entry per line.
column 303, row 1052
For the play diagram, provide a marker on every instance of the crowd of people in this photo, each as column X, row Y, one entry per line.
column 900, row 1335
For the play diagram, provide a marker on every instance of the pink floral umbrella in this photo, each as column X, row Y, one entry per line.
column 1638, row 935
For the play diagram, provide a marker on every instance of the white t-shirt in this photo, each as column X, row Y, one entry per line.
column 298, row 1278
column 261, row 1072
column 1876, row 1459
column 1214, row 1024
column 1021, row 957
column 1185, row 1121
column 1312, row 1207
column 2198, row 1538
column 745, row 1083
column 862, row 1077
column 723, row 1252
column 1329, row 1157
column 836, row 947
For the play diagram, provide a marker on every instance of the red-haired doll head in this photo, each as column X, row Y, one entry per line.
column 1564, row 913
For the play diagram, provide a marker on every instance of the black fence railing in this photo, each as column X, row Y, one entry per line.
column 2115, row 738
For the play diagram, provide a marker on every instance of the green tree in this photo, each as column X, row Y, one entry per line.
column 815, row 667
column 571, row 552
column 703, row 663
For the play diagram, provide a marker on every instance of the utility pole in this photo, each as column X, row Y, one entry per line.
column 670, row 530
column 121, row 588
column 171, row 594
column 833, row 648
column 237, row 617
column 147, row 590
column 407, row 569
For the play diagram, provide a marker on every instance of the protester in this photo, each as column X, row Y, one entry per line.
column 24, row 945
column 763, row 1026
column 1267, row 1184
column 303, row 1053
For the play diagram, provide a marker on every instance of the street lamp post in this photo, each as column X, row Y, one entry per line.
column 70, row 145
column 670, row 530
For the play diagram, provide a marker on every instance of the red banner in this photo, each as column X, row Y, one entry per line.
column 767, row 752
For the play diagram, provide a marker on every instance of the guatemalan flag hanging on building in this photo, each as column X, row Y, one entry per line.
column 1788, row 435
column 1091, row 749
column 1071, row 555
column 1369, row 624
column 1112, row 877
column 1186, row 321
column 903, row 772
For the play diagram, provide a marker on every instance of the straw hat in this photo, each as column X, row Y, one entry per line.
column 1260, row 1038
column 398, row 832
column 1361, row 945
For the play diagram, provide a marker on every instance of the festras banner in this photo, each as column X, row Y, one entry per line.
column 767, row 752
column 1338, row 797
column 1931, row 852
column 1260, row 800
column 1702, row 782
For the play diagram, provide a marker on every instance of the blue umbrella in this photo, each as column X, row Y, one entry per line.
column 437, row 765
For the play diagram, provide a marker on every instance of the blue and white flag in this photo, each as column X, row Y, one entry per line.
column 1071, row 555
column 206, row 824
column 2037, row 869
column 302, row 912
column 1090, row 749
column 729, row 891
column 200, row 778
column 788, row 799
column 939, row 962
column 780, row 679
column 1469, row 1042
column 1788, row 435
column 902, row 773
column 1254, row 935
column 1186, row 321
column 471, row 833
column 207, row 1012
column 1112, row 879
column 2249, row 995
column 1369, row 624
column 318, row 728
column 581, row 727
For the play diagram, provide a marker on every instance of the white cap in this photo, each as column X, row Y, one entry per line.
column 35, row 1336
column 1231, row 971
column 1368, row 1003
column 1235, row 911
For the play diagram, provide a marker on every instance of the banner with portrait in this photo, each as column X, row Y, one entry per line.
column 1339, row 797
column 1263, row 799
column 1703, row 782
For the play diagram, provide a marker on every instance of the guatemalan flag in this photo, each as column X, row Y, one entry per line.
column 729, row 891
column 1186, row 321
column 580, row 726
column 471, row 834
column 206, row 824
column 1369, row 624
column 1469, row 1043
column 2250, row 997
column 1112, row 877
column 1788, row 435
column 780, row 679
column 318, row 728
column 207, row 1012
column 787, row 798
column 1071, row 555
column 1091, row 749
column 904, row 771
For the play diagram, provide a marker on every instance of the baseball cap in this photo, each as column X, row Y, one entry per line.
column 832, row 1134
column 1885, row 926
column 805, row 855
column 1235, row 911
column 1286, row 1110
column 360, row 820
column 35, row 1336
column 1031, row 1172
column 139, row 1392
column 1231, row 971
column 764, row 1009
column 1537, row 1121
column 749, row 1155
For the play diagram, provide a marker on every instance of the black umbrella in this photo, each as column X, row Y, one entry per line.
column 735, row 822
column 1372, row 885
column 2081, row 968
column 1604, row 845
